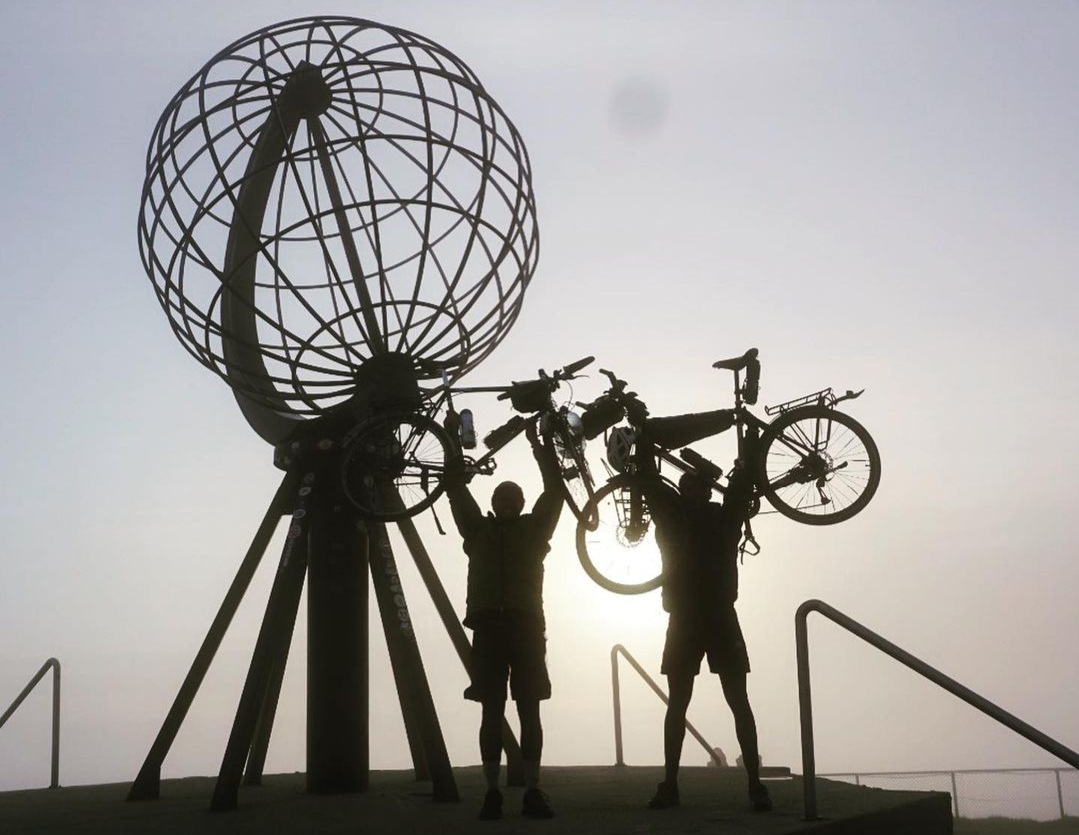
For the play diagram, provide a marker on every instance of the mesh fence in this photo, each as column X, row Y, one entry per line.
column 1035, row 794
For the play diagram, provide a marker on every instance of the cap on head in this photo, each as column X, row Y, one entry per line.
column 507, row 500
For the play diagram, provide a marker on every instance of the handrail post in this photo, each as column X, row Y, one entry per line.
column 1060, row 793
column 55, row 775
column 955, row 795
column 805, row 712
column 40, row 674
column 617, row 706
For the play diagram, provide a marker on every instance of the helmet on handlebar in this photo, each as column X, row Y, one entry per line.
column 620, row 447
column 570, row 420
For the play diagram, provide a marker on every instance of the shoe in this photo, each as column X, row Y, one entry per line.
column 759, row 799
column 666, row 796
column 492, row 805
column 535, row 804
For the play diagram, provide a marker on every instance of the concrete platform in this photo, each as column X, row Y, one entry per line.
column 587, row 801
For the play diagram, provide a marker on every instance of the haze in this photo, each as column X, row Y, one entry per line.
column 877, row 195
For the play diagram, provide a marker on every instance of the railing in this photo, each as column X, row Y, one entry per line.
column 615, row 650
column 902, row 656
column 55, row 665
column 952, row 775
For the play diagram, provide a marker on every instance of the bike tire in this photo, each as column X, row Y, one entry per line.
column 605, row 550
column 813, row 453
column 398, row 452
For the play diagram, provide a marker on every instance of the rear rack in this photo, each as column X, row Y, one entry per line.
column 824, row 397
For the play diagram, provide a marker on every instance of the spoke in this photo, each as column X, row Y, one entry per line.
column 374, row 334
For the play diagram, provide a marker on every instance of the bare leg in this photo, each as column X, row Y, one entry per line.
column 528, row 711
column 745, row 728
column 491, row 739
column 680, row 689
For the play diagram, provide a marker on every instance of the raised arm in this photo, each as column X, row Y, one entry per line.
column 662, row 501
column 661, row 498
column 466, row 513
column 548, row 506
column 739, row 493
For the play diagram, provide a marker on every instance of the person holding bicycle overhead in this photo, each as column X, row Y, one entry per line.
column 699, row 542
column 504, row 609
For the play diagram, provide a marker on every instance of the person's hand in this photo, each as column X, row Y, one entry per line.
column 456, row 472
column 532, row 433
column 740, row 485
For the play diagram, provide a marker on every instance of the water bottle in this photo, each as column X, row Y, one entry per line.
column 467, row 430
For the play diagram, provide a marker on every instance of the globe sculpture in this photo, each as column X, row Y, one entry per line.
column 326, row 191
column 334, row 211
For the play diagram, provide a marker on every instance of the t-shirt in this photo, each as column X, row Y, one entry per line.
column 699, row 546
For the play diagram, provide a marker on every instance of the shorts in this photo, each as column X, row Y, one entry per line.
column 719, row 637
column 509, row 648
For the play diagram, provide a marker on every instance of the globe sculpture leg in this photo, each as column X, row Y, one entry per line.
column 148, row 782
column 417, row 705
column 270, row 647
column 256, row 760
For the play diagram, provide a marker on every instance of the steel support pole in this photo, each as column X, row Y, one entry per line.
column 274, row 634
column 260, row 743
column 405, row 693
column 407, row 664
column 147, row 784
column 338, row 755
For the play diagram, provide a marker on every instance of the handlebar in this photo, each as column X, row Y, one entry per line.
column 534, row 395
column 573, row 368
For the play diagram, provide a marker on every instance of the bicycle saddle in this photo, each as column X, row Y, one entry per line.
column 737, row 363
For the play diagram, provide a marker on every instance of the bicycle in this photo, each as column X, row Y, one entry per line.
column 812, row 463
column 395, row 462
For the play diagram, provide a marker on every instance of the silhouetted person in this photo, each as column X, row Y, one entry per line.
column 504, row 609
column 698, row 540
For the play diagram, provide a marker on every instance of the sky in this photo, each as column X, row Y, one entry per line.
column 878, row 195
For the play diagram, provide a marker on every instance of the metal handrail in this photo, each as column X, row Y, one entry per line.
column 618, row 648
column 857, row 775
column 805, row 704
column 55, row 665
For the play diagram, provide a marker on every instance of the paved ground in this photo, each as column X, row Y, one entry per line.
column 587, row 801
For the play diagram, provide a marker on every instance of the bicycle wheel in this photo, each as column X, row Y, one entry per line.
column 619, row 551
column 817, row 465
column 400, row 454
column 576, row 477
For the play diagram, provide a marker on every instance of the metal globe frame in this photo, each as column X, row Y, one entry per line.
column 328, row 190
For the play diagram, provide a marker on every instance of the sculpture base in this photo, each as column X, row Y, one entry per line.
column 592, row 800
